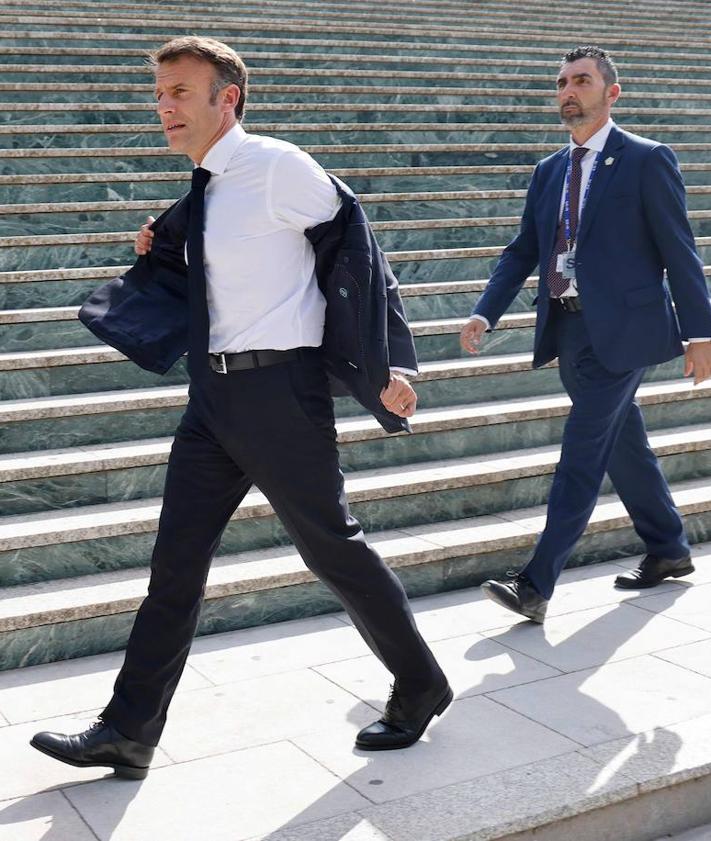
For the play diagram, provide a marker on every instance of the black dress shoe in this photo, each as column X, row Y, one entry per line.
column 518, row 595
column 652, row 571
column 406, row 717
column 100, row 745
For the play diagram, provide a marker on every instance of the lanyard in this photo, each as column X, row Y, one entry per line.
column 566, row 203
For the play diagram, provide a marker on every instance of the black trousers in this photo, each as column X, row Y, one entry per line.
column 273, row 427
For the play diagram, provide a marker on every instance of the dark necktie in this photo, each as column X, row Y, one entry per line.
column 198, row 316
column 557, row 284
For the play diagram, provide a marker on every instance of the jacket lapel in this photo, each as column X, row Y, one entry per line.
column 603, row 175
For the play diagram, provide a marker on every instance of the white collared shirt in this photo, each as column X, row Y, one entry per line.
column 262, row 291
column 595, row 144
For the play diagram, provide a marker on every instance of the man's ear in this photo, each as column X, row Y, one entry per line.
column 230, row 97
column 614, row 92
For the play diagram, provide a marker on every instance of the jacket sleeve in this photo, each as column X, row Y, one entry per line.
column 401, row 344
column 664, row 204
column 515, row 265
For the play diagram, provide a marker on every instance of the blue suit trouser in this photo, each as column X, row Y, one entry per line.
column 604, row 432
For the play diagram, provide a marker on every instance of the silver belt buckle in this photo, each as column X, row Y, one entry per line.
column 223, row 363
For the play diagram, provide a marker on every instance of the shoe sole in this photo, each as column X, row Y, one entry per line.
column 678, row 573
column 442, row 705
column 127, row 772
column 494, row 596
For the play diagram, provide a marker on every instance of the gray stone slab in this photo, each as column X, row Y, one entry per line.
column 42, row 817
column 612, row 701
column 660, row 757
column 473, row 665
column 26, row 771
column 259, row 711
column 225, row 798
column 474, row 738
column 506, row 802
column 691, row 606
column 696, row 656
column 700, row 833
column 585, row 638
column 69, row 686
column 350, row 827
column 284, row 647
column 465, row 611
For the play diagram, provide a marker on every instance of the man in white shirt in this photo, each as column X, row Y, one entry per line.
column 604, row 218
column 259, row 412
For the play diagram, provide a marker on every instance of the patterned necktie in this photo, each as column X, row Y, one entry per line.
column 198, row 316
column 557, row 284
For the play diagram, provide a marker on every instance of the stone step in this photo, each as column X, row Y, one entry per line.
column 25, row 73
column 32, row 482
column 125, row 413
column 632, row 49
column 494, row 211
column 70, row 329
column 372, row 107
column 640, row 22
column 84, row 615
column 664, row 38
column 71, row 287
column 42, row 328
column 146, row 136
column 259, row 61
column 155, row 185
column 92, row 537
column 405, row 240
column 137, row 93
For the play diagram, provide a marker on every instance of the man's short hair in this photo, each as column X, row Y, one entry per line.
column 604, row 62
column 229, row 67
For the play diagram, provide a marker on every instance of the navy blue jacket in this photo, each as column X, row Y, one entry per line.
column 144, row 313
column 633, row 227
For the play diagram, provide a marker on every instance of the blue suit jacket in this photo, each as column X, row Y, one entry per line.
column 633, row 227
column 144, row 313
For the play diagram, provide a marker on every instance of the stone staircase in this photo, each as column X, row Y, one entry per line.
column 434, row 112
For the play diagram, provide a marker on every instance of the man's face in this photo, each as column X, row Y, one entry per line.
column 191, row 121
column 583, row 97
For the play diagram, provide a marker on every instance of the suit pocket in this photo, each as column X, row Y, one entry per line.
column 645, row 295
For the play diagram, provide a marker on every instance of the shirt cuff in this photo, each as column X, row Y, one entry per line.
column 481, row 318
column 700, row 340
column 408, row 371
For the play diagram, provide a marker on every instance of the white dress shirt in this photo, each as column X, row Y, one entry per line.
column 595, row 145
column 262, row 291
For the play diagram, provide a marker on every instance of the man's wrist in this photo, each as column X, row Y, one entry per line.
column 405, row 372
column 476, row 317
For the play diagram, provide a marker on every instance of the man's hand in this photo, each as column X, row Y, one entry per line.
column 399, row 396
column 697, row 361
column 471, row 334
column 144, row 238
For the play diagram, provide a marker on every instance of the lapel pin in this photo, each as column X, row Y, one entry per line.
column 609, row 161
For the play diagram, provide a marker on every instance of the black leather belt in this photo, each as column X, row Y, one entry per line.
column 570, row 304
column 222, row 363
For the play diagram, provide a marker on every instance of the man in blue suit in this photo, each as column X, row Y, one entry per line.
column 604, row 218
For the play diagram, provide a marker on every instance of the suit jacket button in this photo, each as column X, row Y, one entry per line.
column 344, row 292
column 346, row 259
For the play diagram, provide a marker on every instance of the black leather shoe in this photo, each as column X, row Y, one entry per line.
column 406, row 717
column 518, row 595
column 100, row 745
column 652, row 571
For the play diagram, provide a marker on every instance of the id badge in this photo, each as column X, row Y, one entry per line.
column 565, row 265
